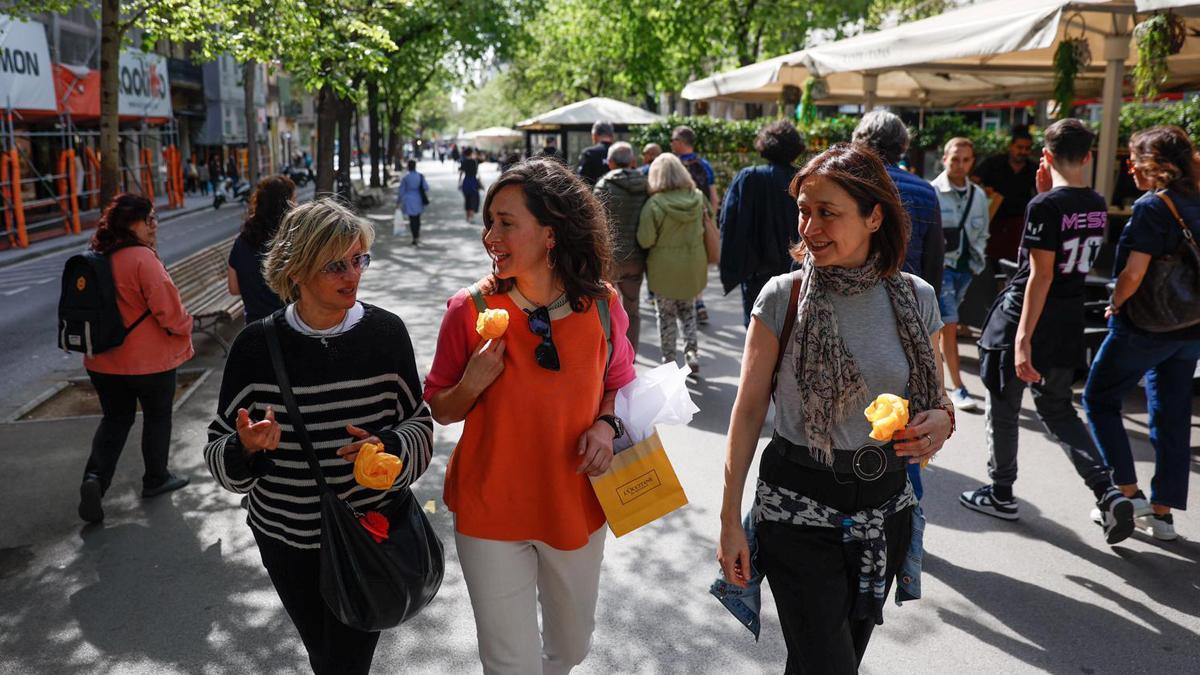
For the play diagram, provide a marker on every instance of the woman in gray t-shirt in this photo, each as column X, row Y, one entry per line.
column 833, row 510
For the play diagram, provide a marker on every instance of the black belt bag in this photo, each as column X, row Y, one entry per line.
column 867, row 463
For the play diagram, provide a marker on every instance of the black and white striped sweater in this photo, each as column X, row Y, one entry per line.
column 366, row 376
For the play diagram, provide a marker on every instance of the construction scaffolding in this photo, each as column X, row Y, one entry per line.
column 50, row 177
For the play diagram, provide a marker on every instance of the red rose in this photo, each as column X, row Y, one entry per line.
column 376, row 524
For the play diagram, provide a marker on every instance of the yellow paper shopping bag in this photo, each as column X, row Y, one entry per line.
column 639, row 487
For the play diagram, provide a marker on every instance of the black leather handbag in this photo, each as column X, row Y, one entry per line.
column 369, row 582
column 1169, row 297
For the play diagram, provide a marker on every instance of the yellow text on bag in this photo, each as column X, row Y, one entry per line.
column 639, row 487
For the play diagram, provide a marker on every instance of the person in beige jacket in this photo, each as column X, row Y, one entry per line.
column 672, row 229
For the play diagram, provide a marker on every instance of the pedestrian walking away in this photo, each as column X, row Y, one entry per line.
column 411, row 199
column 886, row 134
column 593, row 161
column 205, row 181
column 1011, row 177
column 469, row 183
column 965, row 230
column 352, row 366
column 1033, row 335
column 1162, row 161
column 141, row 369
column 529, row 529
column 833, row 528
column 623, row 192
column 758, row 216
column 273, row 197
column 683, row 144
column 672, row 229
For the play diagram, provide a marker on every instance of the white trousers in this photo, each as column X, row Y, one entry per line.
column 508, row 579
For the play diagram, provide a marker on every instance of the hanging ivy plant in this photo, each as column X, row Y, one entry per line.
column 1154, row 38
column 807, row 113
column 1071, row 57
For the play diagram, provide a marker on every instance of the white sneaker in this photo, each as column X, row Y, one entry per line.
column 1141, row 505
column 962, row 400
column 1161, row 527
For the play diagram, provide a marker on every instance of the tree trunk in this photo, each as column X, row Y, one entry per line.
column 393, row 134
column 327, row 112
column 345, row 118
column 110, row 62
column 248, row 78
column 358, row 141
column 373, row 144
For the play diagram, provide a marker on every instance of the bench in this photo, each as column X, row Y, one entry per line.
column 367, row 197
column 203, row 282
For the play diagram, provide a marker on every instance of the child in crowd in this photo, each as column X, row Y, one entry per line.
column 1033, row 335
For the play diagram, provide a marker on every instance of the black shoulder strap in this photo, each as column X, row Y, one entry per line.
column 477, row 297
column 289, row 399
column 971, row 188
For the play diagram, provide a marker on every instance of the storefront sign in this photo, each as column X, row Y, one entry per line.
column 26, row 77
column 143, row 84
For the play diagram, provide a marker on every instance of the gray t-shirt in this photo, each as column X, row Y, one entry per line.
column 867, row 325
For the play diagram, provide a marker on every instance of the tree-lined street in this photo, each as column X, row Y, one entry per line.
column 174, row 585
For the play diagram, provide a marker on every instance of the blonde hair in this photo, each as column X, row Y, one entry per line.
column 668, row 173
column 957, row 141
column 311, row 236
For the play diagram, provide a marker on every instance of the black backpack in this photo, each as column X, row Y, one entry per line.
column 88, row 318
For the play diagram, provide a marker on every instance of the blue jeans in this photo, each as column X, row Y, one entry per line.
column 1168, row 366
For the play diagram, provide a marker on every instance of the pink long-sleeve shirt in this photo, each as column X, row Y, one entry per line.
column 163, row 340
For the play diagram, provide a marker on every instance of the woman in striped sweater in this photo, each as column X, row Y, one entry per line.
column 355, row 379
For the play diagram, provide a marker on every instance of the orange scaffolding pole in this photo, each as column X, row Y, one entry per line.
column 14, row 215
column 68, row 193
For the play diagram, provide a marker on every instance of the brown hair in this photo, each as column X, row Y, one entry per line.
column 860, row 172
column 558, row 199
column 113, row 231
column 271, row 200
column 1166, row 156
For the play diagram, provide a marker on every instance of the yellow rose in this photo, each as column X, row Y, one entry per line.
column 887, row 414
column 376, row 469
column 491, row 323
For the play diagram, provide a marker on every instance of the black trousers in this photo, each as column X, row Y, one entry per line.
column 333, row 647
column 414, row 224
column 814, row 577
column 119, row 397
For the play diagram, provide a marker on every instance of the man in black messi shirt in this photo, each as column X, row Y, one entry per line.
column 1033, row 335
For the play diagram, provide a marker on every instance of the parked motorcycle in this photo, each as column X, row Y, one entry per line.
column 231, row 191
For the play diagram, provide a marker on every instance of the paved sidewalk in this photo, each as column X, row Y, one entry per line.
column 174, row 585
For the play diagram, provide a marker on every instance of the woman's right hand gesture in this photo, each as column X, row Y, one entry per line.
column 733, row 552
column 260, row 435
column 485, row 366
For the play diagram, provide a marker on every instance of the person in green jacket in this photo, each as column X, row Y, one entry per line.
column 672, row 229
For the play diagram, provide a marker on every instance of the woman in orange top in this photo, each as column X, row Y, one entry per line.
column 142, row 368
column 538, row 406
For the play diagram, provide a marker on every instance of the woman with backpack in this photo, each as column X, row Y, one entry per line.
column 1164, row 163
column 411, row 198
column 538, row 409
column 273, row 197
column 142, row 368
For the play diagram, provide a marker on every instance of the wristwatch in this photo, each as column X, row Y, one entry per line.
column 615, row 422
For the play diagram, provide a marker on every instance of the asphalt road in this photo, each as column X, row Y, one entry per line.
column 30, row 362
column 176, row 585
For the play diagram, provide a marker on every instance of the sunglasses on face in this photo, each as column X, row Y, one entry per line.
column 546, row 354
column 340, row 267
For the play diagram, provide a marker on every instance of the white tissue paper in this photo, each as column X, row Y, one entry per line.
column 659, row 396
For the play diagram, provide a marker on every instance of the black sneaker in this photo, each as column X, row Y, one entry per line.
column 983, row 501
column 1116, row 515
column 89, row 501
column 171, row 484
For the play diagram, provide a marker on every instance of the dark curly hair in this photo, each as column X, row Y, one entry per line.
column 779, row 142
column 564, row 203
column 1166, row 156
column 271, row 201
column 858, row 170
column 113, row 231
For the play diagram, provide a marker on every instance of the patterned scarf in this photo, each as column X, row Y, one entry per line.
column 831, row 383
